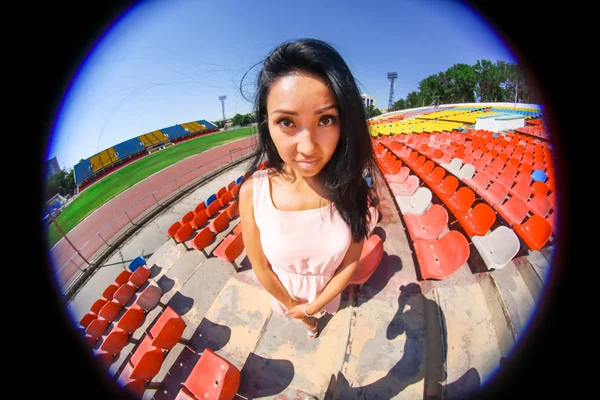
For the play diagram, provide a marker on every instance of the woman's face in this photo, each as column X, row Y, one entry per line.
column 303, row 122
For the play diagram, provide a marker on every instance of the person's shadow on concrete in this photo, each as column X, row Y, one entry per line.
column 424, row 355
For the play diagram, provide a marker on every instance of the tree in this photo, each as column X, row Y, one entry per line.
column 371, row 111
column 62, row 183
column 220, row 124
column 400, row 105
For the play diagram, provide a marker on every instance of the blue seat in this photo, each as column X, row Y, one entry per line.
column 368, row 179
column 136, row 263
column 495, row 135
column 210, row 199
column 239, row 180
column 538, row 175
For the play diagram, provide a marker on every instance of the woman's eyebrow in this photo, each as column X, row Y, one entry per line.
column 319, row 111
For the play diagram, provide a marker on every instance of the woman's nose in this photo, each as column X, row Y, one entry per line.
column 306, row 142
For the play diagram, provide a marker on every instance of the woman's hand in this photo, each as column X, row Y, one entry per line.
column 297, row 311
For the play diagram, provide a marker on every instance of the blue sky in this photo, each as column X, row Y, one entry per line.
column 167, row 62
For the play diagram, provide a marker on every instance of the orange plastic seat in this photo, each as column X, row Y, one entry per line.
column 104, row 358
column 139, row 277
column 447, row 187
column 131, row 319
column 225, row 199
column 417, row 163
column 479, row 182
column 478, row 220
column 96, row 328
column 492, row 171
column 438, row 259
column 123, row 277
column 525, row 167
column 98, row 304
column 167, row 330
column 212, row 377
column 428, row 225
column 505, row 179
column 237, row 229
column 220, row 223
column 173, row 229
column 535, row 231
column 221, row 191
column 203, row 239
column 149, row 298
column 370, row 258
column 230, row 248
column 187, row 217
column 524, row 179
column 426, row 168
column 461, row 200
column 212, row 209
column 514, row 162
column 110, row 310
column 407, row 188
column 435, row 176
column 235, row 190
column 552, row 200
column 539, row 205
column 87, row 318
column 114, row 341
column 126, row 291
column 146, row 360
column 230, row 185
column 110, row 290
column 400, row 177
column 186, row 231
column 539, row 187
column 513, row 211
column 199, row 208
column 233, row 211
column 199, row 220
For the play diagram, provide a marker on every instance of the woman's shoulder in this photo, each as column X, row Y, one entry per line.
column 247, row 188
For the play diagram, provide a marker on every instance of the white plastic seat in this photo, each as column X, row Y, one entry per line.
column 498, row 247
column 466, row 172
column 453, row 166
column 415, row 204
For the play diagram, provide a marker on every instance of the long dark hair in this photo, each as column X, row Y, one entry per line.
column 343, row 174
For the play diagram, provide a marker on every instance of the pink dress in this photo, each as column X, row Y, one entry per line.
column 304, row 247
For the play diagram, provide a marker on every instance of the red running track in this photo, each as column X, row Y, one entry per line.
column 98, row 220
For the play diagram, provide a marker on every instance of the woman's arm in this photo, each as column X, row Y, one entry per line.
column 336, row 285
column 260, row 264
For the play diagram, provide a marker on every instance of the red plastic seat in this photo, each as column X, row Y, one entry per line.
column 114, row 342
column 96, row 328
column 187, row 217
column 479, row 182
column 225, row 199
column 370, row 258
column 407, row 188
column 520, row 190
column 237, row 229
column 230, row 185
column 110, row 310
column 438, row 259
column 461, row 200
column 230, row 248
column 428, row 225
column 199, row 220
column 140, row 276
column 98, row 304
column 435, row 176
column 524, row 179
column 425, row 169
column 123, row 277
column 525, row 168
column 212, row 209
column 492, row 171
column 187, row 230
column 495, row 194
column 539, row 205
column 506, row 180
column 221, row 191
column 126, row 291
column 447, row 187
column 173, row 229
column 478, row 220
column 539, row 187
column 220, row 223
column 146, row 360
column 235, row 190
column 167, row 330
column 131, row 319
column 110, row 290
column 233, row 211
column 87, row 319
column 514, row 162
column 212, row 377
column 551, row 199
column 400, row 177
column 203, row 239
column 535, row 232
column 199, row 208
column 513, row 211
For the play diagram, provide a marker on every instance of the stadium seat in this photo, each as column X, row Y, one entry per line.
column 400, row 177
column 233, row 211
column 535, row 232
column 428, row 225
column 173, row 230
column 230, row 185
column 479, row 182
column 537, row 187
column 539, row 205
column 187, row 217
column 139, row 277
column 415, row 204
column 453, row 166
column 221, row 192
column 235, row 190
column 212, row 377
column 212, row 209
column 495, row 194
column 127, row 290
column 461, row 200
column 407, row 188
column 237, row 229
column 435, row 176
column 199, row 208
column 131, row 319
column 220, row 223
column 466, row 172
column 146, row 360
column 425, row 169
column 239, row 180
column 203, row 239
column 199, row 220
column 136, row 263
column 514, row 210
column 123, row 277
column 109, row 293
column 440, row 258
column 447, row 186
column 114, row 341
column 167, row 330
column 225, row 199
column 521, row 190
column 210, row 199
column 230, row 249
column 370, row 258
column 149, row 298
column 477, row 220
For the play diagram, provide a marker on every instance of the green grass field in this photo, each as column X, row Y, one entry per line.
column 110, row 186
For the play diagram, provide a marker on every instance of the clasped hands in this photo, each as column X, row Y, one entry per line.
column 297, row 310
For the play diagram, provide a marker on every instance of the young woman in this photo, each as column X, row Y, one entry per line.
column 304, row 218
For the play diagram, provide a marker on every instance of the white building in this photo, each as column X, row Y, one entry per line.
column 368, row 100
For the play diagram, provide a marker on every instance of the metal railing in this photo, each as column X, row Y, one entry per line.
column 121, row 226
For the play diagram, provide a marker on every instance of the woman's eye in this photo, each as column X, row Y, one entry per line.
column 286, row 123
column 327, row 120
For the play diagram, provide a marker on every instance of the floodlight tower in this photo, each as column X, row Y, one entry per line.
column 222, row 98
column 391, row 76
